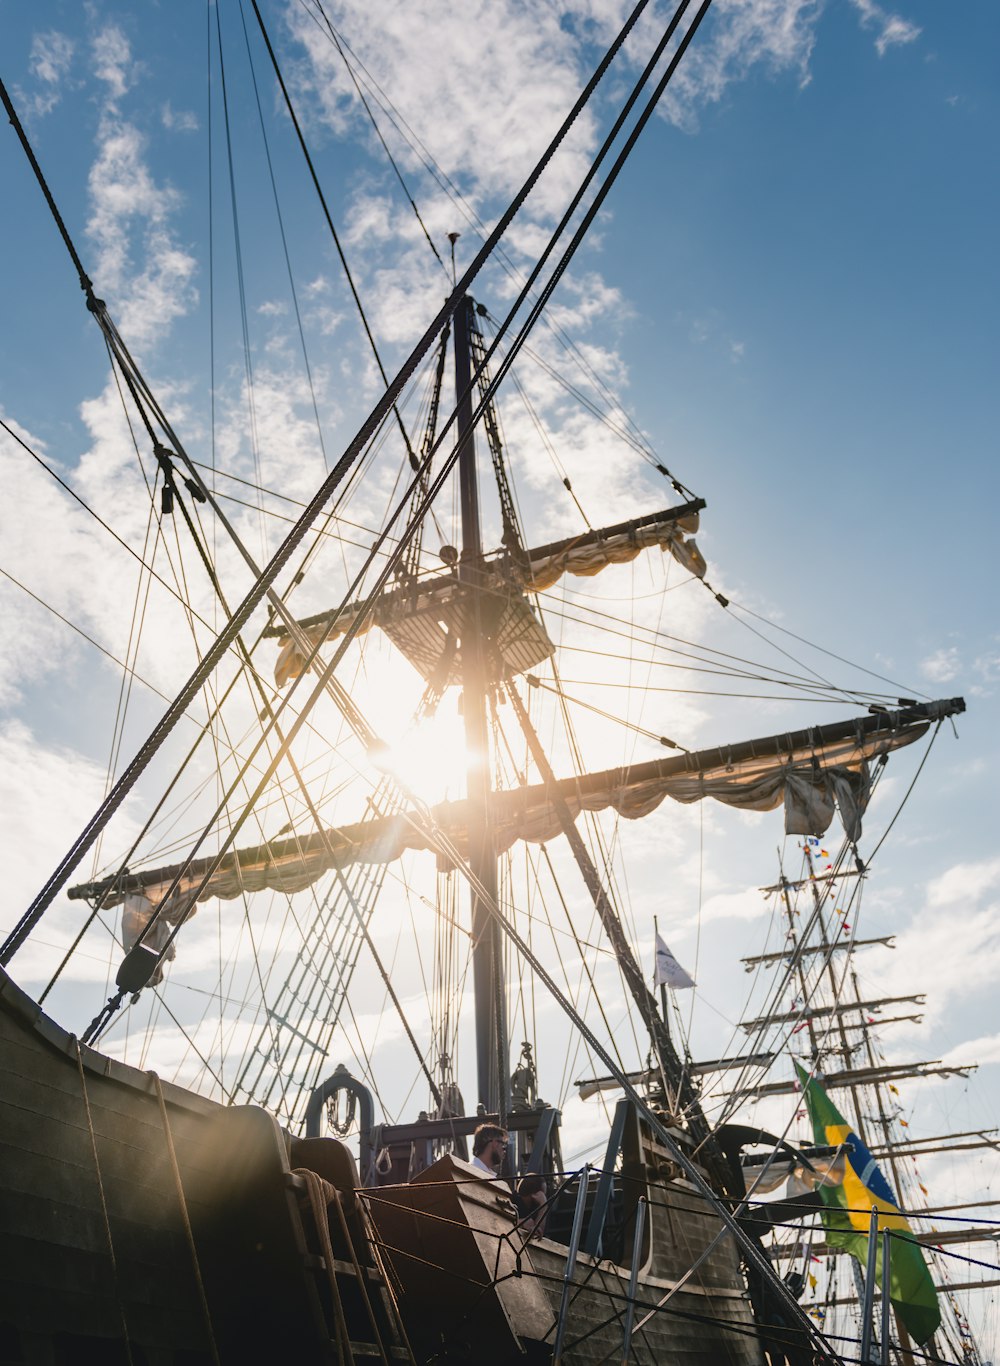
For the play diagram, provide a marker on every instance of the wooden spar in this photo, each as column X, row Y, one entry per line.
column 862, row 1076
column 402, row 596
column 590, row 1086
column 945, row 1287
column 793, row 884
column 933, row 1148
column 297, row 862
column 904, row 1143
column 884, row 1020
column 293, row 863
column 935, row 1238
column 782, row 955
column 492, row 1066
column 948, row 1209
column 806, row 1012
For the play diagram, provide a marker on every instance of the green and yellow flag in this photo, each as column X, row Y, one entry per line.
column 847, row 1216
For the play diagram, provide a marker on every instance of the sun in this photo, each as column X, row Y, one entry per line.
column 428, row 758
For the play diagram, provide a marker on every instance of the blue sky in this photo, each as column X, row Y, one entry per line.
column 793, row 290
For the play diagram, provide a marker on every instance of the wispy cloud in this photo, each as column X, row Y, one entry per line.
column 777, row 35
column 63, row 790
column 986, row 667
column 891, row 30
column 50, row 61
column 112, row 61
column 952, row 946
column 490, row 137
column 747, row 904
column 140, row 261
column 965, row 884
column 178, row 120
column 983, row 1050
column 941, row 666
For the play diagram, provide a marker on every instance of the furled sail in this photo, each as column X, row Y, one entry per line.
column 425, row 619
column 811, row 772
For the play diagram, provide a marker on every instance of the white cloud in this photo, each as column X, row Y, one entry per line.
column 178, row 120
column 941, row 666
column 986, row 666
column 778, row 35
column 44, row 514
column 51, row 56
column 964, row 884
column 49, row 62
column 422, row 53
column 982, row 1051
column 47, row 791
column 112, row 61
column 747, row 904
column 142, row 270
column 891, row 29
column 952, row 947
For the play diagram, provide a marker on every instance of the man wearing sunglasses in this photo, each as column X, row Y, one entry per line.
column 489, row 1148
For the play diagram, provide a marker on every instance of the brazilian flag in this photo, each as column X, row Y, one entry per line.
column 847, row 1216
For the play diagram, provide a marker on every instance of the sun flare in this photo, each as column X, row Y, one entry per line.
column 429, row 759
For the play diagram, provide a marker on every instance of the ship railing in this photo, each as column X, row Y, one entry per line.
column 403, row 1150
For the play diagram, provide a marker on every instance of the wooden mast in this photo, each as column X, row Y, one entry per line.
column 492, row 1064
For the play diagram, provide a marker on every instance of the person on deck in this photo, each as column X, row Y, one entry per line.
column 531, row 1199
column 489, row 1148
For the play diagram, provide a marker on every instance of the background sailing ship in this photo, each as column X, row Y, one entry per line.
column 402, row 698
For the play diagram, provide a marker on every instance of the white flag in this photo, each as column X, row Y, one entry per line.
column 668, row 971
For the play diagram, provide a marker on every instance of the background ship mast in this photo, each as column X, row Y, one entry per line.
column 843, row 1043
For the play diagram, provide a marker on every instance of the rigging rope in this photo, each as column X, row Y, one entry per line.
column 637, row 437
column 812, row 644
column 131, row 774
column 119, row 1304
column 608, row 716
column 654, row 637
column 378, row 133
column 284, row 241
column 327, row 673
column 329, row 222
column 238, row 253
column 148, row 568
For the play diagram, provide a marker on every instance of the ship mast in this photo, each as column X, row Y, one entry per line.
column 492, row 1070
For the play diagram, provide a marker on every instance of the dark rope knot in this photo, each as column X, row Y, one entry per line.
column 103, row 1016
column 165, row 460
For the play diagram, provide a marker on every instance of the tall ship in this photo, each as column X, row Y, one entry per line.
column 352, row 1034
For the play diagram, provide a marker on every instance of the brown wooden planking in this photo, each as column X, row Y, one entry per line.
column 667, row 1337
column 87, row 1289
column 131, row 1176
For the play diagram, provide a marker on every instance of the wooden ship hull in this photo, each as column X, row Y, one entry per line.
column 467, row 1269
column 143, row 1222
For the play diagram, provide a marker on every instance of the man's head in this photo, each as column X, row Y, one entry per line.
column 489, row 1144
